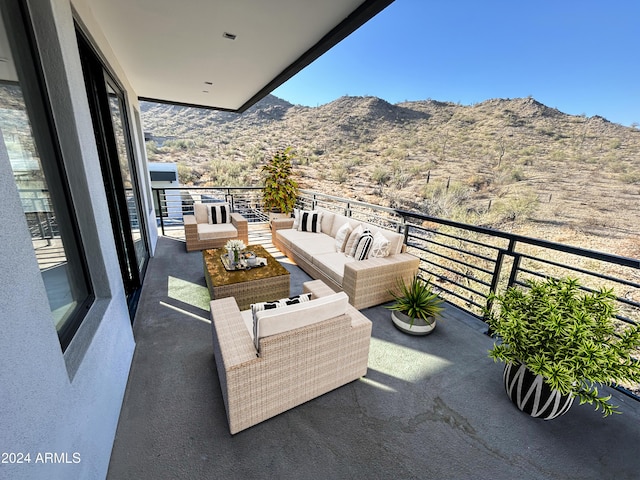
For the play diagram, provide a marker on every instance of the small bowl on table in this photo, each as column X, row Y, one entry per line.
column 250, row 258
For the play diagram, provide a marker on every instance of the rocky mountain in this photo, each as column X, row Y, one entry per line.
column 514, row 164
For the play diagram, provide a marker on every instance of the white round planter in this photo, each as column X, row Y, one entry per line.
column 419, row 327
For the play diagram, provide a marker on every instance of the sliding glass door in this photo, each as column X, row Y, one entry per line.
column 111, row 126
column 116, row 107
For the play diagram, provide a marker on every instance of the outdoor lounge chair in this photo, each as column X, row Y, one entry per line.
column 212, row 225
column 303, row 351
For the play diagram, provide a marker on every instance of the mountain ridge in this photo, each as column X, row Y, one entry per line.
column 506, row 163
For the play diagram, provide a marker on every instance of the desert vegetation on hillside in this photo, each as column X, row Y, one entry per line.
column 512, row 164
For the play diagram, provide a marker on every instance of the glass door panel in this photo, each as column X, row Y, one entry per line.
column 131, row 198
column 115, row 150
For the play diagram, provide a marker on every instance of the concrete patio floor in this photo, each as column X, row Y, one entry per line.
column 429, row 408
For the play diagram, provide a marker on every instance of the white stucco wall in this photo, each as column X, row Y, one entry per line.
column 55, row 403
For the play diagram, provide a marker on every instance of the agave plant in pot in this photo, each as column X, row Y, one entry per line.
column 560, row 342
column 416, row 307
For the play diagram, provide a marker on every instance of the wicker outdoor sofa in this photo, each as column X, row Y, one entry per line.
column 302, row 351
column 325, row 255
column 202, row 232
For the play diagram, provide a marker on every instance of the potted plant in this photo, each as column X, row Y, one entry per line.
column 560, row 342
column 416, row 307
column 280, row 189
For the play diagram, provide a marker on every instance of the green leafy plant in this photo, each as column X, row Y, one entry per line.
column 416, row 300
column 567, row 336
column 280, row 189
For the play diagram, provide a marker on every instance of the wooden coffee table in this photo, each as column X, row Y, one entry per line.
column 259, row 284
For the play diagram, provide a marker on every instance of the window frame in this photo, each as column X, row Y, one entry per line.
column 28, row 64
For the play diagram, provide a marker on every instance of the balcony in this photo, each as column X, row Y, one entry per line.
column 429, row 407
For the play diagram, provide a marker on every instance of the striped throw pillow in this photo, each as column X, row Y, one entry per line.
column 352, row 241
column 363, row 245
column 283, row 302
column 219, row 213
column 310, row 222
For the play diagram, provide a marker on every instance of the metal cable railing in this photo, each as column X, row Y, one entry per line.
column 464, row 262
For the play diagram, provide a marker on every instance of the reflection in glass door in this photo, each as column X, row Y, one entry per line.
column 115, row 106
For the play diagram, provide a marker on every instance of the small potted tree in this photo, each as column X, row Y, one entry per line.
column 416, row 307
column 280, row 189
column 558, row 343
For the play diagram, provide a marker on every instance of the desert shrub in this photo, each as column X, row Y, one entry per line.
column 517, row 175
column 478, row 182
column 340, row 173
column 174, row 145
column 440, row 201
column 513, row 209
column 185, row 174
column 615, row 143
column 400, row 179
column 381, row 176
column 151, row 147
column 527, row 151
column 630, row 177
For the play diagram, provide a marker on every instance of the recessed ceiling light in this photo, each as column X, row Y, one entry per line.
column 205, row 91
column 229, row 36
column 208, row 83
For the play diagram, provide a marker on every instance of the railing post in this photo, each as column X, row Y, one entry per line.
column 230, row 200
column 495, row 279
column 157, row 190
column 514, row 270
column 404, row 225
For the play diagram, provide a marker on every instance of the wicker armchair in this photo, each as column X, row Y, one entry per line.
column 294, row 365
column 200, row 234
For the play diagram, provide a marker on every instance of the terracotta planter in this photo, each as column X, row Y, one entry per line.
column 419, row 327
column 532, row 395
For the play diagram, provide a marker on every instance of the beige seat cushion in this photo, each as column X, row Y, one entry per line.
column 207, row 231
column 307, row 244
column 332, row 265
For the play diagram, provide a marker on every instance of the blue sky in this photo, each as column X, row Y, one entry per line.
column 582, row 57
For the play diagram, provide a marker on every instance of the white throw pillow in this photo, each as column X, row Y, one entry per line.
column 342, row 235
column 350, row 247
column 380, row 246
column 219, row 213
column 296, row 218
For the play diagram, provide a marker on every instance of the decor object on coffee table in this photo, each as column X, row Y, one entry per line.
column 568, row 338
column 246, row 285
column 234, row 248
